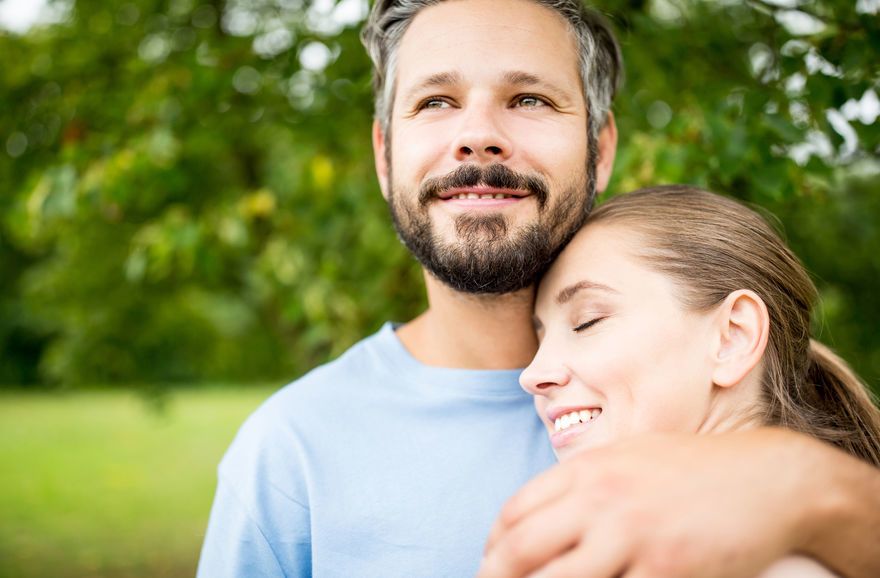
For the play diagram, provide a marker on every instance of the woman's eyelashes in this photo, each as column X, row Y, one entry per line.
column 587, row 324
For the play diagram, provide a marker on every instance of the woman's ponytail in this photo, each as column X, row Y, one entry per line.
column 845, row 413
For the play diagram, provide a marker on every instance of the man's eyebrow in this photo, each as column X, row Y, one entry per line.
column 438, row 79
column 527, row 79
column 566, row 294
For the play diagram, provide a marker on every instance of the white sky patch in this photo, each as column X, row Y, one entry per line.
column 816, row 63
column 800, row 114
column 794, row 84
column 315, row 56
column 239, row 21
column 799, row 23
column 816, row 143
column 795, row 48
column 329, row 18
column 350, row 12
column 275, row 40
column 784, row 3
column 319, row 18
column 667, row 11
column 154, row 48
column 845, row 130
column 19, row 16
column 760, row 57
column 868, row 6
column 865, row 110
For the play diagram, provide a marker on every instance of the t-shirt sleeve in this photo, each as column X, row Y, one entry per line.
column 237, row 546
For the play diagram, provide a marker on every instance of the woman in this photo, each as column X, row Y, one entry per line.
column 677, row 310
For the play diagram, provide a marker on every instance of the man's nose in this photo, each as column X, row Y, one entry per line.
column 482, row 137
column 545, row 373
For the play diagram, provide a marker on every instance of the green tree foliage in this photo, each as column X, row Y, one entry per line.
column 188, row 188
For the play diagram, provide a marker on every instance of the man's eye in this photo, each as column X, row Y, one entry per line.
column 586, row 325
column 434, row 103
column 529, row 101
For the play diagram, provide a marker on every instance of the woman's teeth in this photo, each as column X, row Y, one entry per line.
column 583, row 416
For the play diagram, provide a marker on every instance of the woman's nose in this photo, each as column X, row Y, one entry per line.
column 544, row 373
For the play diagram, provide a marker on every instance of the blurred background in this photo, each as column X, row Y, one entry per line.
column 189, row 219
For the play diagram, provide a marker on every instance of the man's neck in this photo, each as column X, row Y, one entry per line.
column 472, row 331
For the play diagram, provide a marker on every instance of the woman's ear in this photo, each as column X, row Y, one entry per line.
column 743, row 326
column 380, row 157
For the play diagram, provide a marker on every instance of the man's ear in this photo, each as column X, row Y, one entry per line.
column 380, row 157
column 743, row 326
column 607, row 150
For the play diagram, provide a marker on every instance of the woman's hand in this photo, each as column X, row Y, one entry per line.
column 721, row 506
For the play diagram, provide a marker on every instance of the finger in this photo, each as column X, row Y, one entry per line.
column 601, row 554
column 543, row 489
column 544, row 534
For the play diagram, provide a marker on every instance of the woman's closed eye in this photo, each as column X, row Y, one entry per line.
column 587, row 324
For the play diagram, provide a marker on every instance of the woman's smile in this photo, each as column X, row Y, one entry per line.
column 570, row 423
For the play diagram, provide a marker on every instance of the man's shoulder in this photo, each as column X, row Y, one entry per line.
column 304, row 404
column 368, row 360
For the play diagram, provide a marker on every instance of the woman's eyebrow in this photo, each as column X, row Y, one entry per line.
column 566, row 294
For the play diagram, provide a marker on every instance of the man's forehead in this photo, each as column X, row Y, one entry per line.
column 487, row 36
column 515, row 79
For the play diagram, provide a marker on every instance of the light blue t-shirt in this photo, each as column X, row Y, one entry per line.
column 373, row 465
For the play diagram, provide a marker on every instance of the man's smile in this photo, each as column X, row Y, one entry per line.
column 483, row 186
column 481, row 197
column 482, row 193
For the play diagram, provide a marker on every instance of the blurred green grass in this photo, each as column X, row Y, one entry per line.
column 108, row 484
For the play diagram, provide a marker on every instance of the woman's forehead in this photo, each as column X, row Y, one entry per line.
column 600, row 259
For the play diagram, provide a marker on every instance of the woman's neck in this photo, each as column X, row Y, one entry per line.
column 736, row 408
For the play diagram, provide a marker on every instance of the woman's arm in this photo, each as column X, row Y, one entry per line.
column 842, row 517
column 723, row 505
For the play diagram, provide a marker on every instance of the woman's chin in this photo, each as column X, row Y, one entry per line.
column 580, row 440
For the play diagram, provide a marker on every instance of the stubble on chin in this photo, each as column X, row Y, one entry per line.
column 481, row 229
column 486, row 253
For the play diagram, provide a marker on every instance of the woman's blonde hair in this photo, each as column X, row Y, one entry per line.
column 710, row 246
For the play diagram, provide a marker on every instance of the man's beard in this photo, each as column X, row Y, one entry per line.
column 487, row 257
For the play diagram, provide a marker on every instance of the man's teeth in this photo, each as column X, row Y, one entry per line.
column 575, row 417
column 464, row 196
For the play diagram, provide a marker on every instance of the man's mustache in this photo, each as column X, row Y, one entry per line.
column 496, row 176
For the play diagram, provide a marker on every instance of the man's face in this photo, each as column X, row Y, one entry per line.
column 488, row 168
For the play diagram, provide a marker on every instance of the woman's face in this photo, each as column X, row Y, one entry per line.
column 618, row 353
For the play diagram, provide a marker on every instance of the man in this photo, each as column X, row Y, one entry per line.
column 493, row 132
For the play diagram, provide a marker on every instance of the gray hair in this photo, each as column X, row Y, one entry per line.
column 601, row 64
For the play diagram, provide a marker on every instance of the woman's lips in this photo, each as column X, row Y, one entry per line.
column 570, row 423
